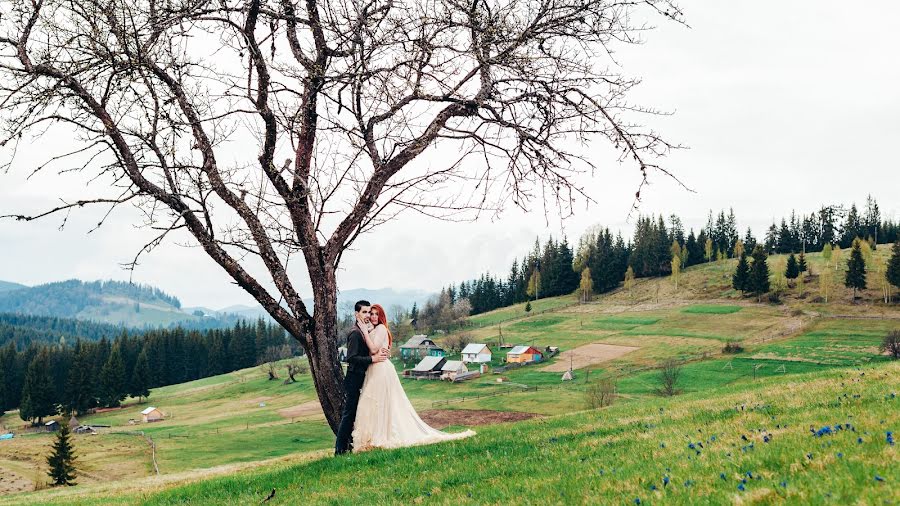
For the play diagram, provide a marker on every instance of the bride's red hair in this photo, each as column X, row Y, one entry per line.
column 382, row 319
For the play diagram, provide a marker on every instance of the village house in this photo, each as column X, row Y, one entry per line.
column 51, row 426
column 152, row 414
column 523, row 355
column 476, row 353
column 420, row 346
column 452, row 368
column 428, row 367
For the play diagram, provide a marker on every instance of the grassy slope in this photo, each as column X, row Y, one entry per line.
column 219, row 421
column 614, row 455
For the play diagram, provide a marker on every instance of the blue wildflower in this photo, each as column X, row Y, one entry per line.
column 878, row 478
column 840, row 455
column 741, row 487
column 665, row 481
column 890, row 438
column 652, row 487
column 859, row 440
column 722, row 475
column 750, row 475
column 809, row 456
column 783, row 484
column 692, row 446
column 637, row 500
column 662, row 445
column 765, row 439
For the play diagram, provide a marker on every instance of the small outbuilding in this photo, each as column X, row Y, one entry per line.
column 476, row 353
column 452, row 368
column 523, row 355
column 428, row 367
column 152, row 414
column 51, row 426
column 420, row 346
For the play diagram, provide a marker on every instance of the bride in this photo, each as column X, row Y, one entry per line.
column 385, row 417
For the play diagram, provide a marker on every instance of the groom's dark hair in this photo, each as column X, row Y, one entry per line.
column 359, row 305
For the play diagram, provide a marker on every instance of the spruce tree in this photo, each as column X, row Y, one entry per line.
column 2, row 391
column 112, row 380
column 62, row 459
column 792, row 270
column 528, row 307
column 37, row 391
column 80, row 385
column 893, row 266
column 741, row 277
column 140, row 378
column 801, row 263
column 856, row 269
column 759, row 273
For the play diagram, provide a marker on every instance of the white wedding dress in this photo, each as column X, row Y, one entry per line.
column 385, row 418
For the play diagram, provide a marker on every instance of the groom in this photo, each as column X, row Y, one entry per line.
column 358, row 360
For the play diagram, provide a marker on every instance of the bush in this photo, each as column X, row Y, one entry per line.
column 601, row 393
column 668, row 379
column 891, row 344
column 733, row 347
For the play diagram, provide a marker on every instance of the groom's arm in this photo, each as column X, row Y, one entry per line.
column 353, row 350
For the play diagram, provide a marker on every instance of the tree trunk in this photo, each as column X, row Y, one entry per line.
column 322, row 353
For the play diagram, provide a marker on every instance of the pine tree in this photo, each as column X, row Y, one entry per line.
column 112, row 379
column 801, row 263
column 893, row 266
column 528, row 307
column 792, row 270
column 856, row 269
column 37, row 391
column 62, row 459
column 2, row 391
column 759, row 273
column 140, row 378
column 586, row 287
column 741, row 277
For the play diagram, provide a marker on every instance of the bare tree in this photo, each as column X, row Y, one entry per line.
column 270, row 358
column 891, row 344
column 668, row 378
column 339, row 100
column 295, row 367
column 601, row 393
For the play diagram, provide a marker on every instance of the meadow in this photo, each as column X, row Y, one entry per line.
column 804, row 363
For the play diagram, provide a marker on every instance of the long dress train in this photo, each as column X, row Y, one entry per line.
column 385, row 418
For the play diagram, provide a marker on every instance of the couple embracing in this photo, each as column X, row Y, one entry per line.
column 377, row 413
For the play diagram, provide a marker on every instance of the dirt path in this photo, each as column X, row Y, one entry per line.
column 441, row 418
column 300, row 410
column 589, row 354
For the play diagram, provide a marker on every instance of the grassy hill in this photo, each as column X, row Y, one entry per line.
column 757, row 442
column 231, row 438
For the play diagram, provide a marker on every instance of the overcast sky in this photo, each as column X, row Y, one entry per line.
column 784, row 105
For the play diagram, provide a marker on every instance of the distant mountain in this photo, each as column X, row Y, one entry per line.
column 387, row 297
column 7, row 285
column 145, row 306
column 115, row 302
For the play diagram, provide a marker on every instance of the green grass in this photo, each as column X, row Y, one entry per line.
column 613, row 455
column 711, row 309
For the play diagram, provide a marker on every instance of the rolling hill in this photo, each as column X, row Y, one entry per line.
column 801, row 415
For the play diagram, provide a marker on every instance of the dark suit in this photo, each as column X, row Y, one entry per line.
column 358, row 361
